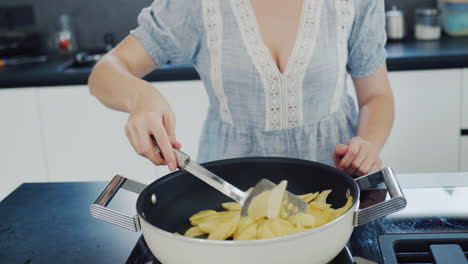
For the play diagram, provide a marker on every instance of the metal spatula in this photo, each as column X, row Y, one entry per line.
column 293, row 206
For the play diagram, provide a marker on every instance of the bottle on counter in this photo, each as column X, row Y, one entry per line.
column 63, row 40
column 427, row 24
column 395, row 24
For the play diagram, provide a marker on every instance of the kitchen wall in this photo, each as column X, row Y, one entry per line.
column 94, row 18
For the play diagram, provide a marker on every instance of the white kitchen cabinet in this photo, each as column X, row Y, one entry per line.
column 464, row 154
column 84, row 140
column 465, row 99
column 426, row 132
column 21, row 152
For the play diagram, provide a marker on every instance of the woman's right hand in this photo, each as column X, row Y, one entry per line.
column 151, row 115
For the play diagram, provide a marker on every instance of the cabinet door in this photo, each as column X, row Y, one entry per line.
column 21, row 151
column 189, row 101
column 425, row 136
column 464, row 154
column 84, row 140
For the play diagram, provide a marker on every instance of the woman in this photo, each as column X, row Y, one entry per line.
column 275, row 74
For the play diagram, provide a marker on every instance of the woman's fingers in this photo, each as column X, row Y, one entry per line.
column 169, row 124
column 360, row 159
column 366, row 166
column 351, row 154
column 338, row 154
column 165, row 145
column 140, row 141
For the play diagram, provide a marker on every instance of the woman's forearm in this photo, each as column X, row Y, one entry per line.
column 376, row 107
column 376, row 119
column 113, row 84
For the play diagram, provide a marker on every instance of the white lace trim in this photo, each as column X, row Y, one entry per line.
column 345, row 13
column 283, row 92
column 214, row 29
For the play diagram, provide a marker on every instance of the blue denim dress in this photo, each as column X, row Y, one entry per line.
column 255, row 110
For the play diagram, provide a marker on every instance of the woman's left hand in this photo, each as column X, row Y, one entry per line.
column 358, row 157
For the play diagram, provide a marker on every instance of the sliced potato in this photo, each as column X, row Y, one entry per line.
column 266, row 218
column 194, row 232
column 264, row 231
column 224, row 229
column 244, row 223
column 343, row 209
column 276, row 200
column 308, row 197
column 201, row 216
column 232, row 206
column 322, row 197
column 247, row 233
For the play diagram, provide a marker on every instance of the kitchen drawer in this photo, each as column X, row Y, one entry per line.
column 464, row 153
column 465, row 99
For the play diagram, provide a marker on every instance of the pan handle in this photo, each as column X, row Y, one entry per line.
column 99, row 208
column 396, row 202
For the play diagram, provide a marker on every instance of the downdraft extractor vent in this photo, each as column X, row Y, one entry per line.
column 449, row 248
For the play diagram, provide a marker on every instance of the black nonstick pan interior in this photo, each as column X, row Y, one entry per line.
column 180, row 195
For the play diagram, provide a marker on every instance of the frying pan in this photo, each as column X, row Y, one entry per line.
column 164, row 207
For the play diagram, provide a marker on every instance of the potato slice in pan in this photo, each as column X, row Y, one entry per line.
column 268, row 203
column 224, row 229
column 247, row 233
column 194, row 232
column 201, row 216
column 303, row 221
column 210, row 224
column 321, row 216
column 266, row 218
column 308, row 197
column 264, row 231
column 343, row 209
column 322, row 197
column 232, row 206
column 321, row 206
column 280, row 227
column 243, row 224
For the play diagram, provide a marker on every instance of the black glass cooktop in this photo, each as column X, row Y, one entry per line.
column 141, row 254
column 424, row 231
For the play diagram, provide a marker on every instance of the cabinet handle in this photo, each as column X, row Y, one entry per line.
column 464, row 132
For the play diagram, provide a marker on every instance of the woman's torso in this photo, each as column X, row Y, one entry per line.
column 258, row 111
column 255, row 109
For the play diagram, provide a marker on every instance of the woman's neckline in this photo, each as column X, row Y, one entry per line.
column 293, row 53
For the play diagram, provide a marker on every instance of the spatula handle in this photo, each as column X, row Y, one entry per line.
column 216, row 182
column 185, row 163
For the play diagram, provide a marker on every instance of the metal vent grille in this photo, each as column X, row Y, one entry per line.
column 449, row 248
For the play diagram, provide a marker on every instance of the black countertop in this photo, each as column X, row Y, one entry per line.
column 446, row 53
column 50, row 222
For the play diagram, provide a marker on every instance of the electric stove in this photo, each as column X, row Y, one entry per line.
column 433, row 228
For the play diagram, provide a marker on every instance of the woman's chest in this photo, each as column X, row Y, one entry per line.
column 279, row 23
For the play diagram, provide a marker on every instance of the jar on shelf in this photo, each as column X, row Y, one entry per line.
column 427, row 24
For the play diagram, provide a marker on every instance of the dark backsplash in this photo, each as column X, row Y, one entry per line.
column 94, row 18
column 91, row 18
